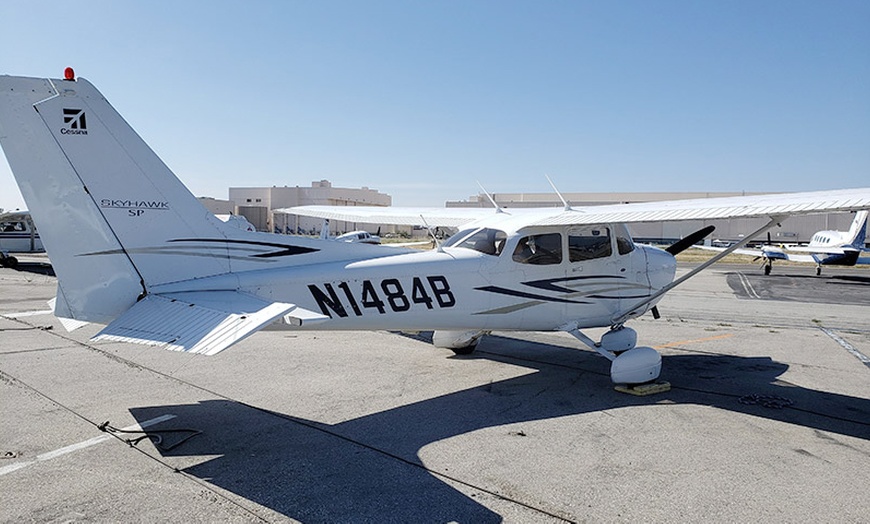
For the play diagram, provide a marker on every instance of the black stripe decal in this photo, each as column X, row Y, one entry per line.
column 550, row 283
column 287, row 250
column 515, row 293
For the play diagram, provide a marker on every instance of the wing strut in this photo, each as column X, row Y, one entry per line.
column 620, row 319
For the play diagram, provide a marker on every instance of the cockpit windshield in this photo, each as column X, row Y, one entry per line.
column 485, row 240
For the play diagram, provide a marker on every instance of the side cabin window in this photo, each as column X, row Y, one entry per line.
column 624, row 244
column 589, row 242
column 539, row 250
column 485, row 240
column 12, row 226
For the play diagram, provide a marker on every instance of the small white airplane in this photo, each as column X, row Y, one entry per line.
column 134, row 249
column 237, row 221
column 826, row 248
column 17, row 235
column 353, row 237
column 359, row 237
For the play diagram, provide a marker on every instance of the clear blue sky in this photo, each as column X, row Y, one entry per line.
column 421, row 98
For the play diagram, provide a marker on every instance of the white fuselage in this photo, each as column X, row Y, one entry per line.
column 459, row 288
column 19, row 236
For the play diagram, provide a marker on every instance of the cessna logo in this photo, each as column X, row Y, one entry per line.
column 75, row 119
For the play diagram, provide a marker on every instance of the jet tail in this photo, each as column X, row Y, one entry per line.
column 858, row 230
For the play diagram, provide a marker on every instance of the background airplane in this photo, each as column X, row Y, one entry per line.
column 133, row 248
column 352, row 237
column 826, row 248
column 17, row 235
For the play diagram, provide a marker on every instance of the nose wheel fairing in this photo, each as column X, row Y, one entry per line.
column 629, row 364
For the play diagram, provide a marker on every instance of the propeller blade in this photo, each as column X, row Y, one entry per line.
column 689, row 241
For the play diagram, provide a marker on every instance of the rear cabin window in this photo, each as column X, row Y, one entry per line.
column 486, row 240
column 587, row 243
column 539, row 250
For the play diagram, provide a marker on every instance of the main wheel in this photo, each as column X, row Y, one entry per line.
column 767, row 269
column 818, row 270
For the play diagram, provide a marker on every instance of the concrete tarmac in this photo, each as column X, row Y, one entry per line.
column 768, row 419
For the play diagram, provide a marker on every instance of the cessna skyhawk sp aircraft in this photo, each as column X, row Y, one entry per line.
column 132, row 248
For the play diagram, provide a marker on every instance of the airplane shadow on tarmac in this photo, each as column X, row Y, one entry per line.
column 368, row 469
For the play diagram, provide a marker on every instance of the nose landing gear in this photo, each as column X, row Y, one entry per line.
column 629, row 364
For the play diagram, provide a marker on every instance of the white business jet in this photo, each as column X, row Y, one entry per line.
column 17, row 235
column 133, row 248
column 826, row 248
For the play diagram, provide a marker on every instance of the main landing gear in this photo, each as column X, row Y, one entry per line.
column 461, row 342
column 629, row 364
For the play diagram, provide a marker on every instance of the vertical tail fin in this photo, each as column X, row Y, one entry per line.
column 104, row 202
column 858, row 230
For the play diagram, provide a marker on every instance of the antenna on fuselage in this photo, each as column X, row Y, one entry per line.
column 432, row 234
column 498, row 208
column 564, row 202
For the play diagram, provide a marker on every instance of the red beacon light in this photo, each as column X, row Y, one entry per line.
column 69, row 74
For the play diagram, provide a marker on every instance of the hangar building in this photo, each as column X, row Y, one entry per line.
column 257, row 203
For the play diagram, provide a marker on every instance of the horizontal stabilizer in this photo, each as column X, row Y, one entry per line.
column 71, row 324
column 204, row 322
column 299, row 317
column 61, row 311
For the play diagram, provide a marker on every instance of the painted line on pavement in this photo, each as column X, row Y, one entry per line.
column 848, row 347
column 81, row 445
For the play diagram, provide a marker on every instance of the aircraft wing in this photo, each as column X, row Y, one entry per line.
column 14, row 216
column 756, row 206
column 777, row 255
column 822, row 250
column 742, row 251
column 400, row 216
column 204, row 322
